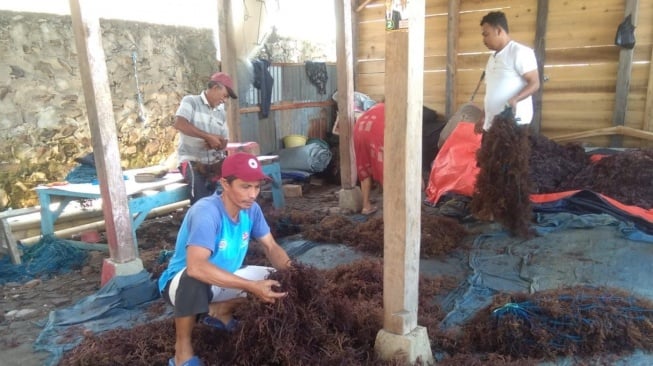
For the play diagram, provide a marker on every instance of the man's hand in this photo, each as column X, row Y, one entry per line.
column 216, row 142
column 263, row 290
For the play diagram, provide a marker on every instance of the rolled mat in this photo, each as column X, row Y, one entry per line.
column 312, row 158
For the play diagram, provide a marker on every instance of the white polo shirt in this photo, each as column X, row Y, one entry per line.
column 503, row 80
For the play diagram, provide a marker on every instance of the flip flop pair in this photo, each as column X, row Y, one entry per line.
column 218, row 324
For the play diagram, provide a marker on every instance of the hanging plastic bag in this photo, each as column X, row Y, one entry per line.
column 625, row 34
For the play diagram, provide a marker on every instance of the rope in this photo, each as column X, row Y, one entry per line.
column 50, row 256
column 570, row 316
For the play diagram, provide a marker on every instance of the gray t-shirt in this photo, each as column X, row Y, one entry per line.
column 196, row 109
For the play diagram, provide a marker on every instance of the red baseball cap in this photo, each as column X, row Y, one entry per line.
column 243, row 166
column 224, row 79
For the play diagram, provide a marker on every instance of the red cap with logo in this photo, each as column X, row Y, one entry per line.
column 243, row 166
column 224, row 79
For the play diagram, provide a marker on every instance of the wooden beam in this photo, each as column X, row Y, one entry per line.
column 540, row 54
column 616, row 130
column 648, row 114
column 404, row 90
column 285, row 106
column 345, row 62
column 229, row 62
column 623, row 78
column 8, row 242
column 453, row 34
column 97, row 95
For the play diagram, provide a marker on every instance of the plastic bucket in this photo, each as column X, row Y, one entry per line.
column 294, row 141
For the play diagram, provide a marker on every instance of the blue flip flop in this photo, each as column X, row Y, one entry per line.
column 218, row 324
column 193, row 361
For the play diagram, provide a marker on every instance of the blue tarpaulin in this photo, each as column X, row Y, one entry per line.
column 120, row 303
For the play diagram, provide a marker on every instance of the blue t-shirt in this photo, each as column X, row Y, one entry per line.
column 208, row 225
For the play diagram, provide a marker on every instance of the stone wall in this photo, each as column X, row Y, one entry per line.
column 43, row 119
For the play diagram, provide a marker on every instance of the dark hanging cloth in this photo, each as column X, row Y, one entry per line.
column 317, row 74
column 263, row 81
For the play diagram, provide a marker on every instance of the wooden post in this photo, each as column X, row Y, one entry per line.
column 229, row 62
column 402, row 155
column 540, row 54
column 97, row 95
column 453, row 21
column 345, row 66
column 623, row 78
column 8, row 242
column 648, row 114
column 404, row 65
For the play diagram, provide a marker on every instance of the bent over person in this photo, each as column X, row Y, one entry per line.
column 205, row 279
column 202, row 123
column 368, row 147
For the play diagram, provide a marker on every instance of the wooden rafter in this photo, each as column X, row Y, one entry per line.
column 608, row 131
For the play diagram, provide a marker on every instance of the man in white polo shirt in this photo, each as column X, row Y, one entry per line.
column 511, row 74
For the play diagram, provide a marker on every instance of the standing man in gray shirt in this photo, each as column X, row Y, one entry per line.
column 202, row 123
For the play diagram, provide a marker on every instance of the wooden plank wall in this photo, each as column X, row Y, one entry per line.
column 581, row 59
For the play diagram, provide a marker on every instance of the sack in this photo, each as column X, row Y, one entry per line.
column 625, row 34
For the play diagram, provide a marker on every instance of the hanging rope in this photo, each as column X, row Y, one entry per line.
column 142, row 117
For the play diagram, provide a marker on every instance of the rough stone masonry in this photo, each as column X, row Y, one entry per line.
column 43, row 120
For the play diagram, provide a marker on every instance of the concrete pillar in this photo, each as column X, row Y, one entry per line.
column 412, row 347
column 350, row 199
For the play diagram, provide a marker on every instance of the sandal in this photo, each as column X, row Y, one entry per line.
column 193, row 361
column 218, row 324
column 369, row 211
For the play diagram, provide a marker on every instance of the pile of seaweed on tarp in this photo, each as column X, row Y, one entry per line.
column 556, row 173
column 578, row 321
column 551, row 165
column 330, row 317
column 439, row 235
column 625, row 176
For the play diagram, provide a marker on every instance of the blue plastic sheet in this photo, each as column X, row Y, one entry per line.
column 121, row 303
column 571, row 250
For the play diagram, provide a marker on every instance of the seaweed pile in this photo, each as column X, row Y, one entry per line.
column 507, row 177
column 503, row 186
column 578, row 321
column 625, row 176
column 439, row 235
column 330, row 317
column 551, row 165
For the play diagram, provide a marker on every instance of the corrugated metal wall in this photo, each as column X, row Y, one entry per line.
column 291, row 85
